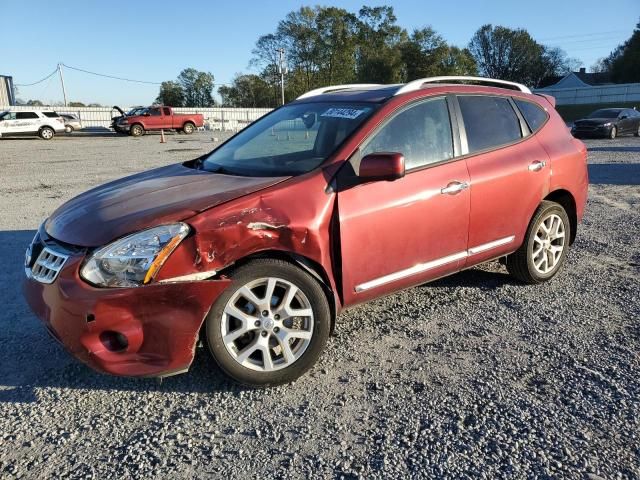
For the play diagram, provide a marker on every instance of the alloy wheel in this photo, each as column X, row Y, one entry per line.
column 548, row 244
column 267, row 324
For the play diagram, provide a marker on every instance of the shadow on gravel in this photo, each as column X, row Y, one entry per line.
column 31, row 360
column 474, row 278
column 614, row 173
column 614, row 149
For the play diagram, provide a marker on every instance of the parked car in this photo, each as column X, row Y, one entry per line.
column 117, row 120
column 71, row 122
column 608, row 123
column 347, row 194
column 34, row 122
column 160, row 118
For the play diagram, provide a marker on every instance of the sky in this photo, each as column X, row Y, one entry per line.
column 155, row 40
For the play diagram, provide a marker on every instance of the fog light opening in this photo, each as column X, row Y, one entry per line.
column 114, row 341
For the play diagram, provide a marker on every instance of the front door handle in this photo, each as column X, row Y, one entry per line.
column 536, row 166
column 454, row 187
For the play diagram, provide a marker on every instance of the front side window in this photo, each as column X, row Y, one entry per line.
column 422, row 133
column 533, row 114
column 488, row 121
column 26, row 115
column 294, row 139
column 154, row 112
column 8, row 116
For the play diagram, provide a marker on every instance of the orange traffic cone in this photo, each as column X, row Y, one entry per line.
column 162, row 139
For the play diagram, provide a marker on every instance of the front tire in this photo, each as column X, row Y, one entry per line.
column 270, row 325
column 545, row 245
column 637, row 134
column 613, row 133
column 46, row 133
column 137, row 130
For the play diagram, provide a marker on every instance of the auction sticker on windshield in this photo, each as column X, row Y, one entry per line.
column 349, row 113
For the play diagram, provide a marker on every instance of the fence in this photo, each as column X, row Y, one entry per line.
column 223, row 119
column 620, row 93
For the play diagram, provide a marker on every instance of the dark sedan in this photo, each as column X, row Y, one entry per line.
column 608, row 123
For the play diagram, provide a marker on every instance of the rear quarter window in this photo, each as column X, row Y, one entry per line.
column 51, row 114
column 534, row 115
column 489, row 121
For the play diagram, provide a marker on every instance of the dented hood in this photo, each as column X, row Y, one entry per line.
column 162, row 195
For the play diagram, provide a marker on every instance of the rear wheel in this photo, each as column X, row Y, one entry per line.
column 545, row 245
column 46, row 133
column 613, row 133
column 271, row 324
column 137, row 130
column 188, row 128
column 68, row 129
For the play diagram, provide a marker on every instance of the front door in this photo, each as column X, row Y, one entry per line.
column 402, row 233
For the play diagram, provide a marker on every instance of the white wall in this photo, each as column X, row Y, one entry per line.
column 227, row 119
column 624, row 92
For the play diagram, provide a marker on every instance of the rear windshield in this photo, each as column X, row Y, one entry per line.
column 292, row 140
column 605, row 113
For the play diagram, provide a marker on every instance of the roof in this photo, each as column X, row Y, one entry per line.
column 579, row 79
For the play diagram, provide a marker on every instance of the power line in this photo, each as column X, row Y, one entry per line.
column 39, row 81
column 581, row 35
column 112, row 76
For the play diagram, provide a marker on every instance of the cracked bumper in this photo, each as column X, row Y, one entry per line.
column 160, row 322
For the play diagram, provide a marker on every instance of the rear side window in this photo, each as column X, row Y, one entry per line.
column 26, row 115
column 488, row 121
column 167, row 111
column 51, row 114
column 534, row 115
column 422, row 133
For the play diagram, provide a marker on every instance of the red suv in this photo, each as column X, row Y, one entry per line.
column 348, row 193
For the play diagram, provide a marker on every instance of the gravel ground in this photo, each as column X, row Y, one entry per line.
column 472, row 376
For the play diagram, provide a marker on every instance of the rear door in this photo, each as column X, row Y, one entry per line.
column 401, row 233
column 509, row 172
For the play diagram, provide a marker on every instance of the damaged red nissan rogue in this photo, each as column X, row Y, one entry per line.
column 349, row 193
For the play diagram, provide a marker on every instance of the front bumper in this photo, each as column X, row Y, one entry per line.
column 588, row 131
column 160, row 321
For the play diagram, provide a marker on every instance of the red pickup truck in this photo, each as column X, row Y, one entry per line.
column 160, row 118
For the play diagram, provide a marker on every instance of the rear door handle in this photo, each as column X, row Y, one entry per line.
column 536, row 166
column 454, row 187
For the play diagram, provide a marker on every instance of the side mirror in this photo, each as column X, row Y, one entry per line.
column 382, row 166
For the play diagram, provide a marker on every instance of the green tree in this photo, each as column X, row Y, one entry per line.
column 624, row 61
column 197, row 87
column 76, row 104
column 171, row 94
column 247, row 91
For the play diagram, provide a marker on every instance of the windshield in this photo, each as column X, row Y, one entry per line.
column 292, row 140
column 605, row 113
column 135, row 111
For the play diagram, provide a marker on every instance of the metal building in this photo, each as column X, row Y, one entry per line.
column 6, row 91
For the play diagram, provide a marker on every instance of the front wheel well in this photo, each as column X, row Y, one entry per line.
column 310, row 266
column 566, row 200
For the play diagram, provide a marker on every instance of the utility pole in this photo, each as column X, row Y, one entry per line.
column 64, row 91
column 282, row 69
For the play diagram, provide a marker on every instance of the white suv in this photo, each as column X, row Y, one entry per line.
column 30, row 123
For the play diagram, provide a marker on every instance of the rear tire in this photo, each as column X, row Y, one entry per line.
column 545, row 245
column 270, row 325
column 188, row 128
column 137, row 130
column 46, row 133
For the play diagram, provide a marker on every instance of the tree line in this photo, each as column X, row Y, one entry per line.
column 330, row 45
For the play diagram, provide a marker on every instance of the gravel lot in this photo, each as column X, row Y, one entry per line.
column 472, row 376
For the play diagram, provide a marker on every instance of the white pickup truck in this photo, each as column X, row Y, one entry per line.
column 14, row 123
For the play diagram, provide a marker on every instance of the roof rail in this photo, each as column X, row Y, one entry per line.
column 417, row 84
column 320, row 91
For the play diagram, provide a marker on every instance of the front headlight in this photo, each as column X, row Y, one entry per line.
column 608, row 124
column 135, row 259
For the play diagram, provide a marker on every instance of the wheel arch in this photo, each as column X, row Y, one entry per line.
column 567, row 201
column 189, row 121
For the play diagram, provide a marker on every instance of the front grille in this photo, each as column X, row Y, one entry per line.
column 47, row 266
